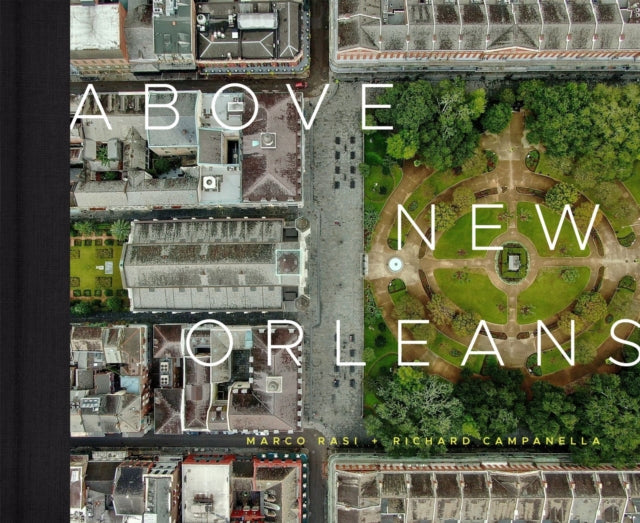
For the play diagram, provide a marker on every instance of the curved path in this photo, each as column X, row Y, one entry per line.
column 510, row 175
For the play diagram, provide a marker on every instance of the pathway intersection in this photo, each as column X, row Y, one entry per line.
column 510, row 181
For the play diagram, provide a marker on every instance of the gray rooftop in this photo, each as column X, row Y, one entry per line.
column 364, row 489
column 204, row 264
column 482, row 25
column 173, row 34
column 270, row 32
column 184, row 133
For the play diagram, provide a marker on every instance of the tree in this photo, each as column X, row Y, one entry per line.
column 114, row 304
column 609, row 409
column 446, row 216
column 439, row 120
column 425, row 332
column 507, row 96
column 413, row 404
column 550, row 413
column 408, row 307
column 497, row 118
column 591, row 307
column 583, row 214
column 560, row 195
column 595, row 128
column 564, row 322
column 85, row 228
column 586, row 351
column 401, row 147
column 465, row 323
column 463, row 198
column 495, row 405
column 82, row 308
column 441, row 309
column 120, row 229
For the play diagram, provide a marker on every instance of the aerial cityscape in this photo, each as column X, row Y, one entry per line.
column 354, row 261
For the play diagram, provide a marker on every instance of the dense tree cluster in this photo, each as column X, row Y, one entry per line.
column 597, row 131
column 437, row 122
column 606, row 407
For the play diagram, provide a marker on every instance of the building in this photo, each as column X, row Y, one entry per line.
column 162, row 489
column 249, row 35
column 198, row 163
column 237, row 488
column 174, row 34
column 98, row 47
column 514, row 262
column 474, row 488
column 469, row 35
column 77, row 487
column 241, row 394
column 116, row 486
column 214, row 265
column 128, row 488
column 110, row 392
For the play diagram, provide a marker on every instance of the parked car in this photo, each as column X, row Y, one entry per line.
column 301, row 85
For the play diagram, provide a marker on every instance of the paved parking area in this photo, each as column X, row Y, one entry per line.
column 333, row 203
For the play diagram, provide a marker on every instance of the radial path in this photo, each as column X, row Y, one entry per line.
column 508, row 181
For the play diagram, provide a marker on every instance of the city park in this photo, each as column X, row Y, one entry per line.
column 523, row 185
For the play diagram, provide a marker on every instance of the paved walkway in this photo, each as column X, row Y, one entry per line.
column 509, row 179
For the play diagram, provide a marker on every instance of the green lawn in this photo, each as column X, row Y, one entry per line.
column 442, row 180
column 549, row 294
column 553, row 361
column 633, row 183
column 375, row 181
column 376, row 142
column 567, row 245
column 475, row 294
column 453, row 352
column 455, row 243
column 84, row 267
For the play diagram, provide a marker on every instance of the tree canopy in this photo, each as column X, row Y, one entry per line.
column 414, row 404
column 436, row 122
column 597, row 129
column 560, row 195
column 606, row 406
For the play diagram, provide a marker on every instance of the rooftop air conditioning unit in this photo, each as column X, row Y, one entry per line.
column 210, row 183
column 201, row 19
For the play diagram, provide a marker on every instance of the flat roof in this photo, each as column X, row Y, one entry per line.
column 206, row 489
column 94, row 27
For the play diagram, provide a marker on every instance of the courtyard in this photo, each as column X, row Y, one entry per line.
column 512, row 290
column 94, row 268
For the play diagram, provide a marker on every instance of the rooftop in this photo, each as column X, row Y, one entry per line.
column 364, row 489
column 184, row 134
column 271, row 162
column 205, row 264
column 95, row 27
column 472, row 25
column 243, row 393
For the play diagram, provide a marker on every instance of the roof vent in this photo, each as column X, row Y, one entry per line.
column 209, row 183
